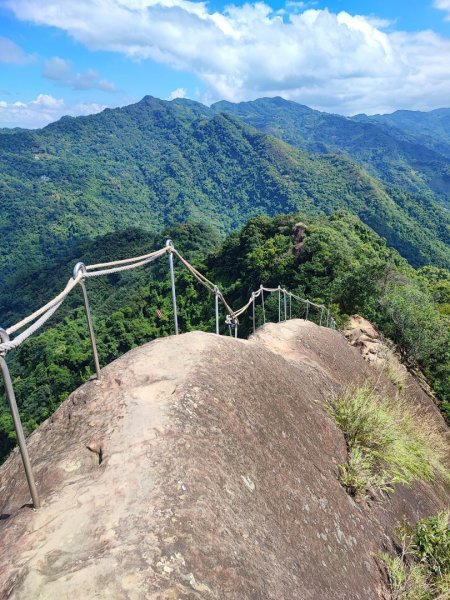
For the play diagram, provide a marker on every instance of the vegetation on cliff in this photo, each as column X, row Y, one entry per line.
column 336, row 260
column 421, row 569
column 389, row 441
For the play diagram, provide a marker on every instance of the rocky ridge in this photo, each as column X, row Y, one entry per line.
column 203, row 467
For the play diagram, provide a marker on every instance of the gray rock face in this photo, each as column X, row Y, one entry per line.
column 201, row 467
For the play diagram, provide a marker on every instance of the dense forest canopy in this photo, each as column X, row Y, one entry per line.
column 158, row 163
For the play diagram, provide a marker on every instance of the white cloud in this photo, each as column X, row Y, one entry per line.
column 12, row 53
column 90, row 80
column 59, row 69
column 178, row 93
column 56, row 68
column 42, row 110
column 338, row 62
column 443, row 5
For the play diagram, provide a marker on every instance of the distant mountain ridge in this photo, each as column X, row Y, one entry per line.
column 411, row 151
column 431, row 129
column 156, row 163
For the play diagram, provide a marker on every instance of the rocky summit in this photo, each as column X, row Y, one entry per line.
column 202, row 466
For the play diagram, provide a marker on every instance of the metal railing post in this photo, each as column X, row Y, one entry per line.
column 285, row 305
column 253, row 311
column 18, row 424
column 216, row 307
column 290, row 306
column 169, row 244
column 279, row 304
column 262, row 301
column 321, row 316
column 80, row 266
column 307, row 310
column 235, row 328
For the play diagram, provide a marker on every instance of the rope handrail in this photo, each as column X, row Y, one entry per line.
column 126, row 267
column 82, row 272
column 61, row 296
column 11, row 344
column 41, row 315
column 256, row 294
column 204, row 280
column 123, row 261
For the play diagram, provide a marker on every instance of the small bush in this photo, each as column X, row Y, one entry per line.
column 422, row 570
column 406, row 582
column 389, row 442
column 430, row 543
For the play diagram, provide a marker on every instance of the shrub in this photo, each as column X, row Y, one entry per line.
column 388, row 441
column 430, row 543
column 422, row 570
column 406, row 582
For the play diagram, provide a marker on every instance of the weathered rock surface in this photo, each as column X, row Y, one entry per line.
column 201, row 467
column 363, row 335
column 380, row 352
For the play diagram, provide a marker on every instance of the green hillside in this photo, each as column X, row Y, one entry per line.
column 156, row 163
column 399, row 157
column 338, row 261
column 431, row 129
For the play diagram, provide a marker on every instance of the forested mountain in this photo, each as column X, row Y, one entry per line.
column 119, row 182
column 335, row 260
column 431, row 129
column 156, row 163
column 402, row 157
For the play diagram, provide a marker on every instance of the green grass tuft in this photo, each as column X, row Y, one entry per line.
column 422, row 570
column 388, row 441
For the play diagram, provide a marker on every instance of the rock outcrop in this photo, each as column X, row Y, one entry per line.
column 201, row 467
column 363, row 335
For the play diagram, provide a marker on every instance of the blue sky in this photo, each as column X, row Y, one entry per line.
column 78, row 56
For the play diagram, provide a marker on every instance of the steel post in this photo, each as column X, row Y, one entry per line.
column 216, row 306
column 262, row 301
column 253, row 311
column 18, row 425
column 307, row 310
column 285, row 305
column 279, row 304
column 290, row 305
column 321, row 316
column 169, row 243
column 80, row 267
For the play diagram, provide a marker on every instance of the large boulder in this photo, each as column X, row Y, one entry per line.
column 206, row 467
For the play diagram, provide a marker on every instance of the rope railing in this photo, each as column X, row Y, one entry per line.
column 82, row 272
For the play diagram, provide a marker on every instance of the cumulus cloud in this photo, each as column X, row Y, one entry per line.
column 178, row 93
column 339, row 62
column 42, row 110
column 60, row 70
column 12, row 53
